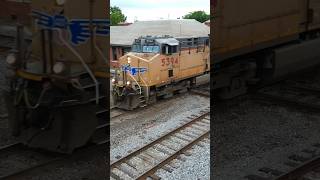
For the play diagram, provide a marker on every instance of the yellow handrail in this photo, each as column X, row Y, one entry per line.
column 86, row 67
column 135, row 81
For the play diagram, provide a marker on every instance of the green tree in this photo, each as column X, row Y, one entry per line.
column 200, row 16
column 116, row 16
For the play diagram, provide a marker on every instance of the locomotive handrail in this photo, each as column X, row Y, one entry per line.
column 144, row 84
column 145, row 59
column 136, row 82
column 139, row 58
column 82, row 62
column 27, row 101
column 142, row 79
column 97, row 48
column 154, row 57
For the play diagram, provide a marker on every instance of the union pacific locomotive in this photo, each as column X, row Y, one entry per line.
column 158, row 67
column 58, row 84
column 258, row 42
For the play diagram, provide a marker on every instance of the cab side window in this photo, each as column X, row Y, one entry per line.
column 207, row 42
column 174, row 49
column 166, row 49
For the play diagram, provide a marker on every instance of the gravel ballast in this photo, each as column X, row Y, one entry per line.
column 196, row 166
column 132, row 131
column 249, row 135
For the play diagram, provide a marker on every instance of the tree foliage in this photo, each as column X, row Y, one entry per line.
column 200, row 16
column 116, row 16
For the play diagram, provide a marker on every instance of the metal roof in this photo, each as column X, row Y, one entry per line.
column 180, row 28
column 169, row 41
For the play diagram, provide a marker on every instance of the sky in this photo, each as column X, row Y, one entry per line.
column 143, row 10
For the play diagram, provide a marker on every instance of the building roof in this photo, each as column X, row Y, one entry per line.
column 180, row 28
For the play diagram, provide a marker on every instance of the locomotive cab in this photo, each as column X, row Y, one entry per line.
column 158, row 67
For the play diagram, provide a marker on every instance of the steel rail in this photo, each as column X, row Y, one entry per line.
column 301, row 170
column 129, row 156
column 290, row 101
column 25, row 170
column 50, row 162
column 49, row 158
column 299, row 90
column 117, row 115
column 158, row 141
column 10, row 147
column 173, row 156
column 200, row 92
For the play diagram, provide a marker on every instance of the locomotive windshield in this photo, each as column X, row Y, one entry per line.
column 136, row 48
column 145, row 49
column 151, row 49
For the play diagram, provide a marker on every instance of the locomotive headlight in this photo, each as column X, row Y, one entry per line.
column 61, row 2
column 59, row 68
column 128, row 82
column 11, row 59
column 129, row 59
column 113, row 80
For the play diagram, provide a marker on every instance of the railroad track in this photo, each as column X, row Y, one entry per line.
column 302, row 166
column 146, row 161
column 31, row 161
column 293, row 94
column 18, row 160
column 116, row 112
column 17, row 154
column 202, row 90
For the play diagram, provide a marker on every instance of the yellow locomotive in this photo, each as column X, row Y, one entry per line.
column 159, row 67
column 262, row 43
column 57, row 100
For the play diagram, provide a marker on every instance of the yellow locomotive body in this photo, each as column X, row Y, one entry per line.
column 66, row 29
column 257, row 42
column 58, row 83
column 159, row 66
